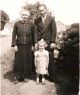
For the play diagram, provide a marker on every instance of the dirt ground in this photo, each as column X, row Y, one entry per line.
column 7, row 76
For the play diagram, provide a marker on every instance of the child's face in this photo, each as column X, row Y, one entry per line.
column 41, row 46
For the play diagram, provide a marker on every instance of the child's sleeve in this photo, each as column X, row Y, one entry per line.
column 47, row 58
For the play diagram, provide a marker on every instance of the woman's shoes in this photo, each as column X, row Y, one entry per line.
column 16, row 82
column 25, row 80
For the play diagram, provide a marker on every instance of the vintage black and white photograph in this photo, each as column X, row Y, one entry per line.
column 39, row 47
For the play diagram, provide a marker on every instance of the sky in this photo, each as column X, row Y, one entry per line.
column 66, row 11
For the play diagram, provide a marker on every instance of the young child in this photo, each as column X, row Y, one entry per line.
column 59, row 44
column 41, row 61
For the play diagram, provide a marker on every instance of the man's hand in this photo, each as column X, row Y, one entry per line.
column 56, row 53
column 16, row 48
column 52, row 45
column 46, row 45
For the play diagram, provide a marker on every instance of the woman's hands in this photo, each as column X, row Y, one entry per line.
column 16, row 48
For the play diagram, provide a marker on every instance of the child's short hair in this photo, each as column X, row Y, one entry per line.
column 42, row 42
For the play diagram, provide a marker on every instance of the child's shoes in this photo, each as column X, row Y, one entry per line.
column 43, row 81
column 37, row 81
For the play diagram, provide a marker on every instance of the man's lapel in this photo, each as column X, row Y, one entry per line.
column 47, row 21
column 46, row 24
column 40, row 23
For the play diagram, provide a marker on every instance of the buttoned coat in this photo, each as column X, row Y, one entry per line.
column 22, row 33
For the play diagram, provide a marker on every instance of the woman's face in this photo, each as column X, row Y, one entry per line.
column 25, row 15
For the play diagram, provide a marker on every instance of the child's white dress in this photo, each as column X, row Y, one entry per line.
column 41, row 61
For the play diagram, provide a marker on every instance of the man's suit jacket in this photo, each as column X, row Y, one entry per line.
column 46, row 31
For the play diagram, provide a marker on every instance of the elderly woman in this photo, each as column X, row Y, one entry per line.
column 22, row 41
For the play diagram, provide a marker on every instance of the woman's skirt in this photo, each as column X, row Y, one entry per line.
column 23, row 60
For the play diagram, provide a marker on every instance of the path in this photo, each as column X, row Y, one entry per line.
column 22, row 88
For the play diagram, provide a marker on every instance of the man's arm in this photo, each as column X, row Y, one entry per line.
column 54, row 31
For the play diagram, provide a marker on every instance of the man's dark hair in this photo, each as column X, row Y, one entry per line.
column 41, row 6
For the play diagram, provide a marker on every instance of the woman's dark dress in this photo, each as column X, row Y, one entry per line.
column 23, row 39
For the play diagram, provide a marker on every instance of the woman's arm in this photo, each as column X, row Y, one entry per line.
column 14, row 36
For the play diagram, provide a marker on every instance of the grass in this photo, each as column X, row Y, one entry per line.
column 7, row 61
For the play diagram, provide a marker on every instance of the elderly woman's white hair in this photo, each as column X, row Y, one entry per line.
column 42, row 42
column 23, row 11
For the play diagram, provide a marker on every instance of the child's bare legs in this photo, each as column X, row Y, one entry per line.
column 37, row 80
column 43, row 79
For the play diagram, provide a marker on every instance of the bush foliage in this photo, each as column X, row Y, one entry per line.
column 4, row 18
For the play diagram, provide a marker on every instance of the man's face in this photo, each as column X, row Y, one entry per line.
column 42, row 10
column 25, row 15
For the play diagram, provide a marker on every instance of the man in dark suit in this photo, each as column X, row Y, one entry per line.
column 45, row 28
